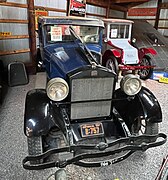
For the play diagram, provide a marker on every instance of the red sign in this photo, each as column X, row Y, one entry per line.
column 77, row 7
column 142, row 12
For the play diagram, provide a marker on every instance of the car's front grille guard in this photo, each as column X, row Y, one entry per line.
column 130, row 147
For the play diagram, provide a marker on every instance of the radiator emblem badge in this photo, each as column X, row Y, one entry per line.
column 94, row 73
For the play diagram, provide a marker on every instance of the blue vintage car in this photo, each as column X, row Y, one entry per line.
column 80, row 114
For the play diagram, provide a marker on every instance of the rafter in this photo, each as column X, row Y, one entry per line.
column 130, row 1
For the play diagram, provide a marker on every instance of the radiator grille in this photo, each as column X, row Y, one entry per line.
column 90, row 89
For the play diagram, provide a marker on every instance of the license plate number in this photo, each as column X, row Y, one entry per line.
column 91, row 129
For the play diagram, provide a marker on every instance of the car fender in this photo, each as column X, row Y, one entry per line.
column 144, row 51
column 37, row 116
column 111, row 52
column 143, row 104
column 151, row 106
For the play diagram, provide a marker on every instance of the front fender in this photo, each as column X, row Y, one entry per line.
column 111, row 52
column 37, row 119
column 143, row 104
column 151, row 106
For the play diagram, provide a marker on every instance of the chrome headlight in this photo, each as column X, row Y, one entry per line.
column 57, row 89
column 131, row 84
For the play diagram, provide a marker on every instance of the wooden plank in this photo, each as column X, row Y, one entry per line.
column 157, row 14
column 97, row 15
column 31, row 69
column 50, row 9
column 3, row 53
column 105, row 5
column 14, row 21
column 14, row 37
column 32, row 32
column 162, row 27
column 152, row 19
column 164, row 6
column 163, row 19
column 13, row 4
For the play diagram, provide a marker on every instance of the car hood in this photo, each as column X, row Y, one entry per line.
column 63, row 60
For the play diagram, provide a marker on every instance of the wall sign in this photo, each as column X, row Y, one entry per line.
column 38, row 13
column 142, row 12
column 76, row 8
column 5, row 33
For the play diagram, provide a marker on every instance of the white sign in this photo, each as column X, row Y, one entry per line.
column 114, row 33
column 56, row 33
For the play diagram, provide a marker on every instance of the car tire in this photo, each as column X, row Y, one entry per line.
column 152, row 128
column 146, row 73
column 142, row 126
column 35, row 147
column 112, row 64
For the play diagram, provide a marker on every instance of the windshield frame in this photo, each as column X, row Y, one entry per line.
column 75, row 26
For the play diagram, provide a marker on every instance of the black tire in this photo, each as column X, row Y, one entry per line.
column 35, row 147
column 142, row 126
column 112, row 64
column 146, row 73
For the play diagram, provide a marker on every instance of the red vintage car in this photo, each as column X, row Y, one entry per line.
column 120, row 53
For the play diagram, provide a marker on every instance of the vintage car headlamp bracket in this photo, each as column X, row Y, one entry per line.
column 57, row 89
column 130, row 84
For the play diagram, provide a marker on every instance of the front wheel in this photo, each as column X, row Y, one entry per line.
column 112, row 64
column 35, row 147
column 146, row 73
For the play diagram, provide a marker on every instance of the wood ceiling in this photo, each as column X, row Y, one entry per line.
column 121, row 5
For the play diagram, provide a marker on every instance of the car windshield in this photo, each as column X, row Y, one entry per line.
column 57, row 33
column 119, row 31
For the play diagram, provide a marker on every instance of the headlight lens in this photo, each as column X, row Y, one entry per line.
column 57, row 89
column 131, row 84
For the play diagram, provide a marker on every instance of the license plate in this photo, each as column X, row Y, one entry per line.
column 91, row 129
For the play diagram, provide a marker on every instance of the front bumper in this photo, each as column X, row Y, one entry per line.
column 129, row 145
column 134, row 67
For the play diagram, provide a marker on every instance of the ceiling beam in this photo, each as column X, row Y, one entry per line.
column 130, row 1
column 102, row 3
column 105, row 4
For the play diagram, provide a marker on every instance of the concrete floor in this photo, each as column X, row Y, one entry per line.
column 13, row 145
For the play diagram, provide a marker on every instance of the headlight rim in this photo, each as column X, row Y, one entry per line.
column 125, row 80
column 51, row 82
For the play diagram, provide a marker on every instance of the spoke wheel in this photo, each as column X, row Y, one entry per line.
column 146, row 73
column 112, row 64
column 35, row 147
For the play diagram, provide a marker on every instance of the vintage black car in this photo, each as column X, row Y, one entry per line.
column 81, row 117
